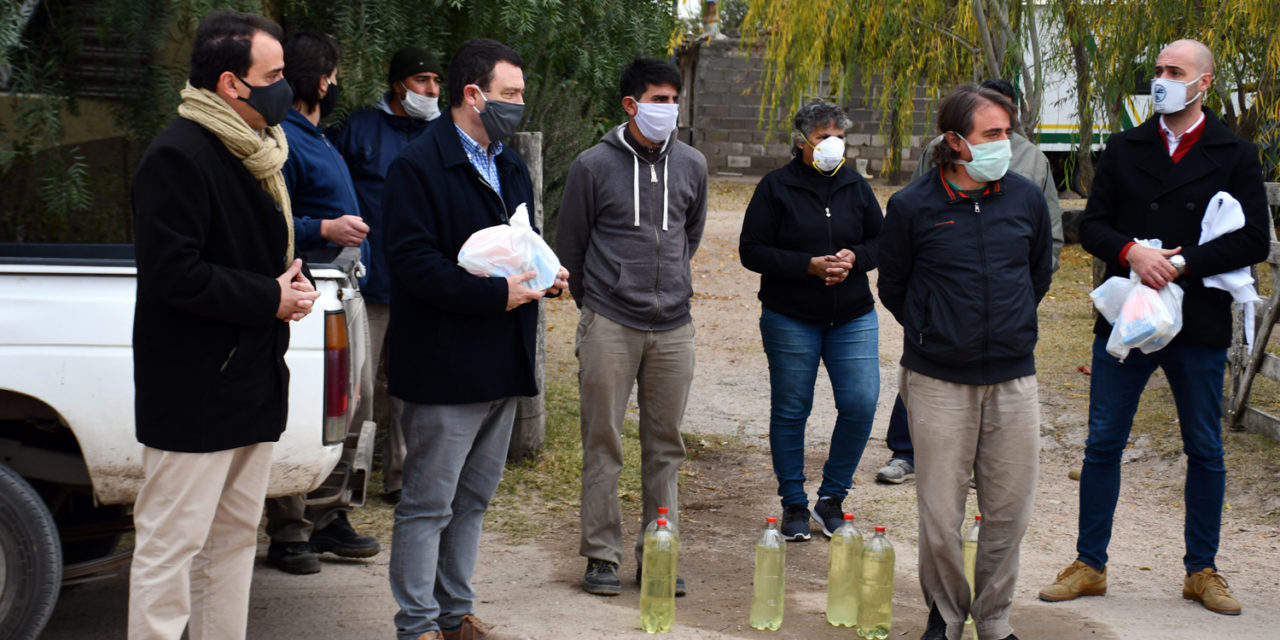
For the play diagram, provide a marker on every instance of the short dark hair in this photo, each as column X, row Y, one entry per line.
column 955, row 113
column 473, row 63
column 638, row 76
column 307, row 58
column 224, row 42
column 1002, row 86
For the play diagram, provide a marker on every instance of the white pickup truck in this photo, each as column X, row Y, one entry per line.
column 70, row 466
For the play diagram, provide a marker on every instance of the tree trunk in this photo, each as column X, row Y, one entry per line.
column 530, row 430
column 1081, row 176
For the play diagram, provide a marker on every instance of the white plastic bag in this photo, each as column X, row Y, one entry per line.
column 1142, row 317
column 510, row 249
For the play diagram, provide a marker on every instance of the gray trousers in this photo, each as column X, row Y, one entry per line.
column 393, row 446
column 455, row 459
column 612, row 359
column 993, row 430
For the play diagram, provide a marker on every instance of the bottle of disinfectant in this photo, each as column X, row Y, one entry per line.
column 658, row 579
column 844, row 570
column 770, row 579
column 875, row 609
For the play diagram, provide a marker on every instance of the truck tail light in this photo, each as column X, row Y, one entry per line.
column 337, row 377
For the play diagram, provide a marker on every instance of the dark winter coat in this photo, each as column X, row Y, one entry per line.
column 368, row 141
column 788, row 222
column 208, row 350
column 964, row 277
column 452, row 339
column 1139, row 193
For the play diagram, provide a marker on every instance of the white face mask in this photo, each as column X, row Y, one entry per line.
column 828, row 155
column 1170, row 96
column 418, row 106
column 656, row 120
column 990, row 160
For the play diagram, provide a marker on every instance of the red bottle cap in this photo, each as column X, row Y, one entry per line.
column 977, row 518
column 662, row 510
column 848, row 516
column 662, row 522
column 771, row 519
column 879, row 528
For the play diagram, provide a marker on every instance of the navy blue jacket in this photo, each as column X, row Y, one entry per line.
column 1138, row 192
column 964, row 277
column 319, row 184
column 788, row 222
column 451, row 338
column 369, row 140
column 208, row 351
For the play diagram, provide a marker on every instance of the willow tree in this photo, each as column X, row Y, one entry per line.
column 897, row 51
column 573, row 51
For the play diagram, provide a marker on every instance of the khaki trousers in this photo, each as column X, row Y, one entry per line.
column 993, row 430
column 197, row 525
column 612, row 359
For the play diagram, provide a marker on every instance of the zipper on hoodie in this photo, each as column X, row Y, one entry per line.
column 657, row 247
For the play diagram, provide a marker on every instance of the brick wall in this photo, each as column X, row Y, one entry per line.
column 722, row 120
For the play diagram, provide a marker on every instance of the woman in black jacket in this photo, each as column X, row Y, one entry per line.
column 810, row 232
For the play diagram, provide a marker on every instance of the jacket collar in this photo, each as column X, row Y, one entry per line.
column 1152, row 154
column 993, row 188
column 296, row 118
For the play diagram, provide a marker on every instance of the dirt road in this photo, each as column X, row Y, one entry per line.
column 728, row 488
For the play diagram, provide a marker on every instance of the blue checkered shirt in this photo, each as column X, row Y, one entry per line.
column 484, row 161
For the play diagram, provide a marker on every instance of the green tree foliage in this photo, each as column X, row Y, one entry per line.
column 908, row 49
column 573, row 52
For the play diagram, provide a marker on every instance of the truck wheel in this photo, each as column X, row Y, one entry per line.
column 30, row 559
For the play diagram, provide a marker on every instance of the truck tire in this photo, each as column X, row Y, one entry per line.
column 30, row 559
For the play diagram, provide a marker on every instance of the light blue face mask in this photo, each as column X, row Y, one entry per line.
column 990, row 160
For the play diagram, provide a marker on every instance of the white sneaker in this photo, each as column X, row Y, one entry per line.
column 896, row 471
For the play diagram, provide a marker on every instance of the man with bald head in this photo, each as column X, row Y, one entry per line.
column 1156, row 181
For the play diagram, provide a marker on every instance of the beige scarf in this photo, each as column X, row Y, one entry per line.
column 263, row 153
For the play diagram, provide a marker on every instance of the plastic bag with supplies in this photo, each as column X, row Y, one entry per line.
column 510, row 249
column 1141, row 317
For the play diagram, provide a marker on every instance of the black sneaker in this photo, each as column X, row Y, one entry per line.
column 795, row 522
column 340, row 539
column 680, row 590
column 293, row 557
column 601, row 578
column 829, row 513
column 936, row 628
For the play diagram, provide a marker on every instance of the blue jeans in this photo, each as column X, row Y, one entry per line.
column 851, row 354
column 455, row 456
column 1195, row 378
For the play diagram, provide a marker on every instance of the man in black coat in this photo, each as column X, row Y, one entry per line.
column 217, row 285
column 462, row 347
column 1156, row 181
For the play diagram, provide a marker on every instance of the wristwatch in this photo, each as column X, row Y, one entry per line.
column 1179, row 264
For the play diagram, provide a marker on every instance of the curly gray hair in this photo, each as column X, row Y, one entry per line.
column 819, row 113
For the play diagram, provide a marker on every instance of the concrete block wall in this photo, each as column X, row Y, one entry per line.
column 723, row 119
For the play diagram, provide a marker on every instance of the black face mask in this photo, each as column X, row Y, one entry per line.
column 500, row 119
column 271, row 101
column 329, row 101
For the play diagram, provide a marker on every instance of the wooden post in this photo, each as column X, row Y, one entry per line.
column 530, row 430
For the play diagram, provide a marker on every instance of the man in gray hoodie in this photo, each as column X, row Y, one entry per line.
column 631, row 219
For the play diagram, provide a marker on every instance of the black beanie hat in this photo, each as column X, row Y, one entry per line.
column 411, row 61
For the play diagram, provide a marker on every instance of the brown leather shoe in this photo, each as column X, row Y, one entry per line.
column 1209, row 588
column 474, row 629
column 1077, row 580
column 430, row 635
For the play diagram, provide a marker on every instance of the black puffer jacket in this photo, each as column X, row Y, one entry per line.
column 788, row 222
column 964, row 277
